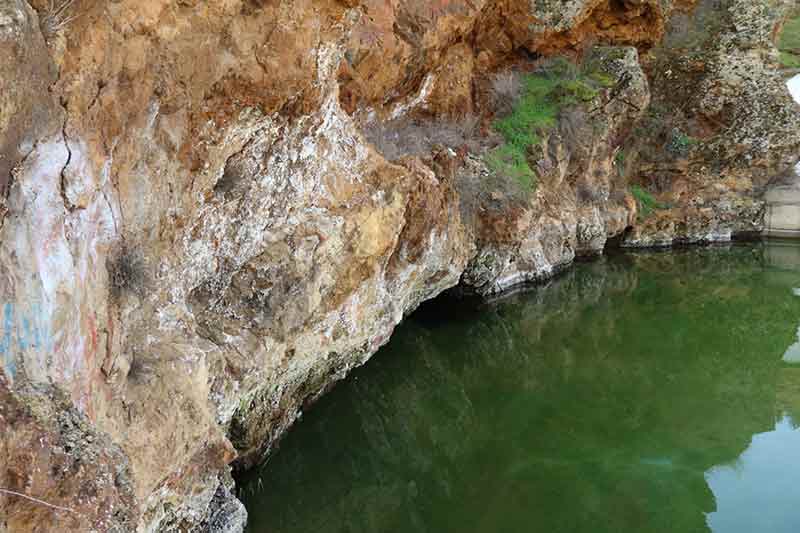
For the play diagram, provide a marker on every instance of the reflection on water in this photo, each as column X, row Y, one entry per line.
column 794, row 88
column 642, row 393
column 759, row 492
column 792, row 354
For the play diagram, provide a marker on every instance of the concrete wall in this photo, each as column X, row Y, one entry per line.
column 783, row 202
column 783, row 212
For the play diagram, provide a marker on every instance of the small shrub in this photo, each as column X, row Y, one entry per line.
column 575, row 92
column 603, row 79
column 680, row 143
column 407, row 137
column 506, row 89
column 126, row 272
column 645, row 201
column 789, row 60
column 506, row 160
column 619, row 158
column 560, row 68
column 56, row 17
column 619, row 162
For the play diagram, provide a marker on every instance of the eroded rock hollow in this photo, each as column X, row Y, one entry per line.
column 210, row 211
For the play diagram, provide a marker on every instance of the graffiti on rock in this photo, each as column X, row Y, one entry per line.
column 22, row 330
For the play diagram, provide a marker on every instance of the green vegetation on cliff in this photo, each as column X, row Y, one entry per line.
column 542, row 96
column 789, row 43
column 645, row 201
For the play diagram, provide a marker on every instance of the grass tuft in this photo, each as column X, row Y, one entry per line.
column 508, row 161
column 544, row 94
column 646, row 202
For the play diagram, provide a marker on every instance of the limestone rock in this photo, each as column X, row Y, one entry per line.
column 728, row 124
column 578, row 204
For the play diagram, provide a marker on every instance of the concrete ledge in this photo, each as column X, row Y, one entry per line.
column 784, row 195
column 782, row 233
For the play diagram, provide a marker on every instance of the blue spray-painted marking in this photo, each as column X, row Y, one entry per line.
column 9, row 363
column 10, row 366
column 24, row 334
column 37, row 337
column 29, row 331
column 41, row 331
column 8, row 325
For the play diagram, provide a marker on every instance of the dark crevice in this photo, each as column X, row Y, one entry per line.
column 453, row 305
column 615, row 242
column 63, row 181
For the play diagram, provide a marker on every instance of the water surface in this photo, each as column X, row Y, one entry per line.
column 794, row 87
column 655, row 392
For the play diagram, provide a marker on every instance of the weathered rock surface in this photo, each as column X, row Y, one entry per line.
column 27, row 112
column 722, row 125
column 197, row 239
column 579, row 203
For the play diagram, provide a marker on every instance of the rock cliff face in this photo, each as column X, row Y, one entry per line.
column 721, row 128
column 211, row 211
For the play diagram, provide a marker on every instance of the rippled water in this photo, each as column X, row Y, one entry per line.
column 655, row 392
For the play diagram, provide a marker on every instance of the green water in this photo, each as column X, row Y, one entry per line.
column 640, row 393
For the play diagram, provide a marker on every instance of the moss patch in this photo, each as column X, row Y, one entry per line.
column 789, row 43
